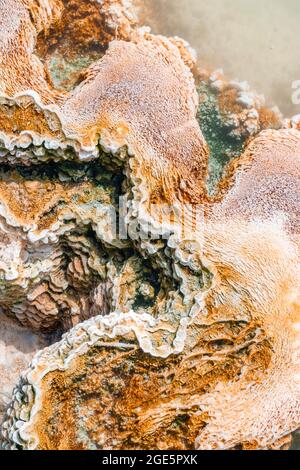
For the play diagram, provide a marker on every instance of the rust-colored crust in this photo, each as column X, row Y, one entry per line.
column 129, row 400
column 209, row 358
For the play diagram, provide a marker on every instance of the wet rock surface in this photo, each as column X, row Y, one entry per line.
column 184, row 333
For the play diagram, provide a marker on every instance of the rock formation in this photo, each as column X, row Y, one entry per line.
column 150, row 212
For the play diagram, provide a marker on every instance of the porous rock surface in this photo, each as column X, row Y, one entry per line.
column 188, row 338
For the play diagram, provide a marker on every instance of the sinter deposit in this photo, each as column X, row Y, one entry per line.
column 184, row 332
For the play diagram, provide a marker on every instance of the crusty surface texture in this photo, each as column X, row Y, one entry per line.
column 187, row 339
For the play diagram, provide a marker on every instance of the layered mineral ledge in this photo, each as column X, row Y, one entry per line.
column 185, row 333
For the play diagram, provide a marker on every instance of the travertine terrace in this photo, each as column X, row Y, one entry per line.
column 189, row 337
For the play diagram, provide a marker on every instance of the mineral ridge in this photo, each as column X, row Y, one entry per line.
column 185, row 334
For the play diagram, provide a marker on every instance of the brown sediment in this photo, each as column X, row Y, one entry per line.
column 113, row 398
column 190, row 341
column 82, row 33
column 41, row 202
column 25, row 116
column 228, row 101
column 269, row 119
column 78, row 30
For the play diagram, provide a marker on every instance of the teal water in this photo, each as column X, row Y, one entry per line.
column 253, row 40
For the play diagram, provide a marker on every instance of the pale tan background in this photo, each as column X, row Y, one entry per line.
column 253, row 40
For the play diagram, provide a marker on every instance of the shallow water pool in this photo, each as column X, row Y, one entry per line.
column 255, row 40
